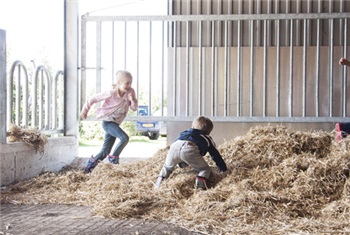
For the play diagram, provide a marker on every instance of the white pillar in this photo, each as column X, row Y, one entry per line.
column 71, row 91
column 3, row 87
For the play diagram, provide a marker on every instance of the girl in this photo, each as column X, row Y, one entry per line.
column 116, row 103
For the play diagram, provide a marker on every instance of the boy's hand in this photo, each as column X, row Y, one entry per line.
column 224, row 173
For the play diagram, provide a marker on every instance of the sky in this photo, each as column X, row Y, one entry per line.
column 34, row 28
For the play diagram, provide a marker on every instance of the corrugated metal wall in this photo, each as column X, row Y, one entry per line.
column 240, row 60
column 272, row 36
column 254, row 66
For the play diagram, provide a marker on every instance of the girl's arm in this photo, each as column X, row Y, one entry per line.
column 92, row 100
column 133, row 101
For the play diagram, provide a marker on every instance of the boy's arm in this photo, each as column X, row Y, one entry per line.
column 217, row 158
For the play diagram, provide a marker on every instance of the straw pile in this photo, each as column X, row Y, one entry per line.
column 30, row 136
column 279, row 182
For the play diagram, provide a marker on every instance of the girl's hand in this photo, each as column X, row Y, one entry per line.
column 132, row 96
column 83, row 116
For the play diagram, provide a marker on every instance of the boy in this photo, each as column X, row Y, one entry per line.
column 189, row 149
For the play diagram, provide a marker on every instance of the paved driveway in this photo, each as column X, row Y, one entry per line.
column 133, row 151
column 56, row 219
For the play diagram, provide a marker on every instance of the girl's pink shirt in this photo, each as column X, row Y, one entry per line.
column 114, row 107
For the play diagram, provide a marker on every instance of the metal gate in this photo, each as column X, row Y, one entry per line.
column 233, row 68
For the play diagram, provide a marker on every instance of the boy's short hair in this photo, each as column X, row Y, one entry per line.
column 203, row 123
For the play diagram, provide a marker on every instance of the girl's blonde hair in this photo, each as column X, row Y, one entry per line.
column 203, row 123
column 120, row 76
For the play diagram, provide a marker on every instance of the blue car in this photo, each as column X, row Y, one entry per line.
column 150, row 129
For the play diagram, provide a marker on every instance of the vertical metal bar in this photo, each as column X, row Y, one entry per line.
column 304, row 67
column 239, row 56
column 258, row 24
column 138, row 59
column 83, row 63
column 125, row 42
column 268, row 34
column 230, row 37
column 330, row 62
column 41, row 100
column 291, row 70
column 228, row 68
column 175, row 68
column 208, row 25
column 187, row 67
column 297, row 26
column 25, row 100
column 317, row 68
column 113, row 53
column 47, row 100
column 98, row 57
column 319, row 10
column 61, row 119
column 341, row 9
column 162, row 73
column 345, row 68
column 9, row 89
column 265, row 70
column 150, row 69
column 18, row 97
column 277, row 38
column 34, row 98
column 251, row 66
column 201, row 93
column 226, row 86
column 287, row 29
column 54, row 102
column 213, row 100
column 309, row 38
column 3, row 91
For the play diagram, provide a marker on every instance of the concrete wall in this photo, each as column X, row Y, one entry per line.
column 20, row 161
column 226, row 131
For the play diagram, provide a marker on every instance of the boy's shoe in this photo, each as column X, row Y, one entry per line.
column 183, row 164
column 159, row 181
column 201, row 183
column 90, row 165
column 113, row 159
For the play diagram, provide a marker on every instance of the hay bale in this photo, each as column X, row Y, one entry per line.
column 279, row 182
column 29, row 136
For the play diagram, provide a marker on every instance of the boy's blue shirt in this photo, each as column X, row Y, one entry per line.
column 205, row 144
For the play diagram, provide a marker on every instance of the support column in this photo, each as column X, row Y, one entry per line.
column 3, row 87
column 71, row 85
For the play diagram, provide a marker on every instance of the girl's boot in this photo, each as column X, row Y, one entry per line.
column 113, row 159
column 90, row 165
